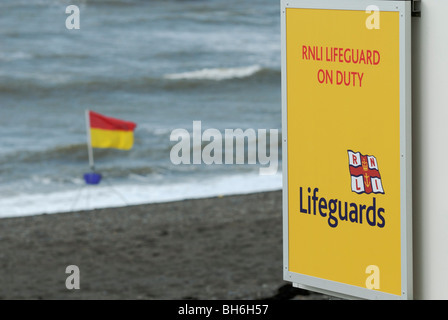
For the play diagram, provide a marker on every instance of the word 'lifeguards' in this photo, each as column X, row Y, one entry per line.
column 336, row 210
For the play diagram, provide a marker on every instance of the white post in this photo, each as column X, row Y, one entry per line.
column 430, row 152
column 89, row 142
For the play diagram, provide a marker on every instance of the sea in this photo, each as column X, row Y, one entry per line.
column 159, row 63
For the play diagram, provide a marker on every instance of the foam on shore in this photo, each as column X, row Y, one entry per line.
column 106, row 195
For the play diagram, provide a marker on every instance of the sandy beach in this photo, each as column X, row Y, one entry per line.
column 217, row 248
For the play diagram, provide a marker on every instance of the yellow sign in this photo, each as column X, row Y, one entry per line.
column 343, row 149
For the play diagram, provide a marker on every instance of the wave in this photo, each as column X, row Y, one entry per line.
column 105, row 196
column 43, row 85
column 77, row 153
column 12, row 56
column 72, row 153
column 216, row 73
column 27, row 3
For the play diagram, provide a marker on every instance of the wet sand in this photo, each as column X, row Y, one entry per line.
column 217, row 248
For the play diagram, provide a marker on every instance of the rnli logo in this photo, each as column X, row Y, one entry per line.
column 364, row 172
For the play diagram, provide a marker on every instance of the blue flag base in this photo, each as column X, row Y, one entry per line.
column 92, row 178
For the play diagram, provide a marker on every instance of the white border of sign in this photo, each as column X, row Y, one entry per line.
column 325, row 286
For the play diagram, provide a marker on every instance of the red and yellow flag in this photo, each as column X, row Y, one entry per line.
column 107, row 132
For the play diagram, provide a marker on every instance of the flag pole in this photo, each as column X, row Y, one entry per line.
column 89, row 142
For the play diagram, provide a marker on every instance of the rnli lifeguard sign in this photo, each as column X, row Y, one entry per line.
column 347, row 147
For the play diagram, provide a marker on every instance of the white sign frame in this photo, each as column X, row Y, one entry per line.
column 325, row 286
